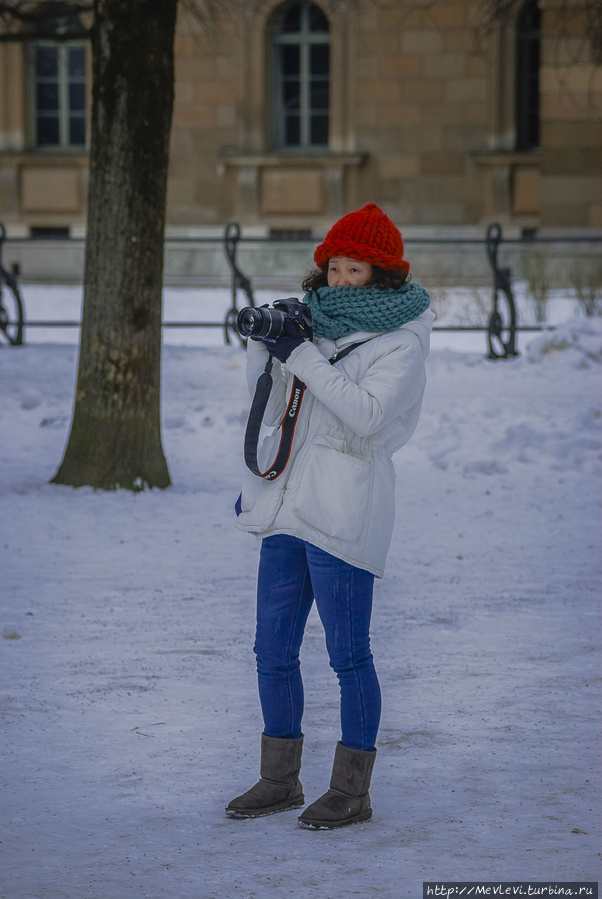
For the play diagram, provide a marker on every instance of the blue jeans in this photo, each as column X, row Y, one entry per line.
column 292, row 573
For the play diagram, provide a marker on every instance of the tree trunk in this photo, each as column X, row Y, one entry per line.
column 115, row 438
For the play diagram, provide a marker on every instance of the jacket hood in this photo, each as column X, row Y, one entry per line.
column 420, row 326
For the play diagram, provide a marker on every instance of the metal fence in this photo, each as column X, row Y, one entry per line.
column 490, row 267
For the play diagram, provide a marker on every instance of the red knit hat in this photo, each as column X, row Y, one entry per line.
column 367, row 235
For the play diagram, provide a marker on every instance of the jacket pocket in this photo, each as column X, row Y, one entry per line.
column 259, row 503
column 333, row 494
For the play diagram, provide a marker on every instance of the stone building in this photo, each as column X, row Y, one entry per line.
column 289, row 114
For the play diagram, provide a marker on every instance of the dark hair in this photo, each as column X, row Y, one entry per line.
column 384, row 279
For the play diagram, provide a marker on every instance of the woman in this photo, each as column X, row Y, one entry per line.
column 326, row 520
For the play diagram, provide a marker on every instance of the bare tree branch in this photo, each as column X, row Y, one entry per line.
column 30, row 19
column 490, row 13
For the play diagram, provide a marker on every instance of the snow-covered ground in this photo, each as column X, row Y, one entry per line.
column 129, row 708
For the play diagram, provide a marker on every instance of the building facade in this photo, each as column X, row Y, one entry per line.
column 289, row 114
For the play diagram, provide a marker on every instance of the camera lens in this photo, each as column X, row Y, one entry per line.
column 249, row 321
column 260, row 322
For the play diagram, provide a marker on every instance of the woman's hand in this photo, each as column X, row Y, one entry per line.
column 283, row 346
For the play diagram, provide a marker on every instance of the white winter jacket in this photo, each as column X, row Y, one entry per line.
column 338, row 489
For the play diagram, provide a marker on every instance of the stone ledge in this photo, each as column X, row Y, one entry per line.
column 43, row 159
column 239, row 158
column 500, row 158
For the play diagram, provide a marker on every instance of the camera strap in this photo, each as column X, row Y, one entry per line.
column 288, row 424
column 287, row 428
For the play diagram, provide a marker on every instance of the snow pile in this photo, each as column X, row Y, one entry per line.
column 129, row 706
column 579, row 338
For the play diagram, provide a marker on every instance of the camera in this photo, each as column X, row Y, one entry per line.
column 271, row 322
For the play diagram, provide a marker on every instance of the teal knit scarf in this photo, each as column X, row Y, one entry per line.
column 338, row 311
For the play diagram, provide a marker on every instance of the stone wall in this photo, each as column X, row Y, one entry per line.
column 422, row 122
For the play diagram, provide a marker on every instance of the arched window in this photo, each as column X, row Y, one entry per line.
column 528, row 44
column 300, row 76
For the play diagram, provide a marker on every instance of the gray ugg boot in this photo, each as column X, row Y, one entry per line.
column 279, row 788
column 348, row 800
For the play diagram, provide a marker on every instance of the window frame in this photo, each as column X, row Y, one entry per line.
column 305, row 39
column 527, row 77
column 64, row 81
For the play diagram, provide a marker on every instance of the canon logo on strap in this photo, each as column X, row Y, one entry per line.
column 295, row 402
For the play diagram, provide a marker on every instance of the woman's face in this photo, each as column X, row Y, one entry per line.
column 344, row 272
